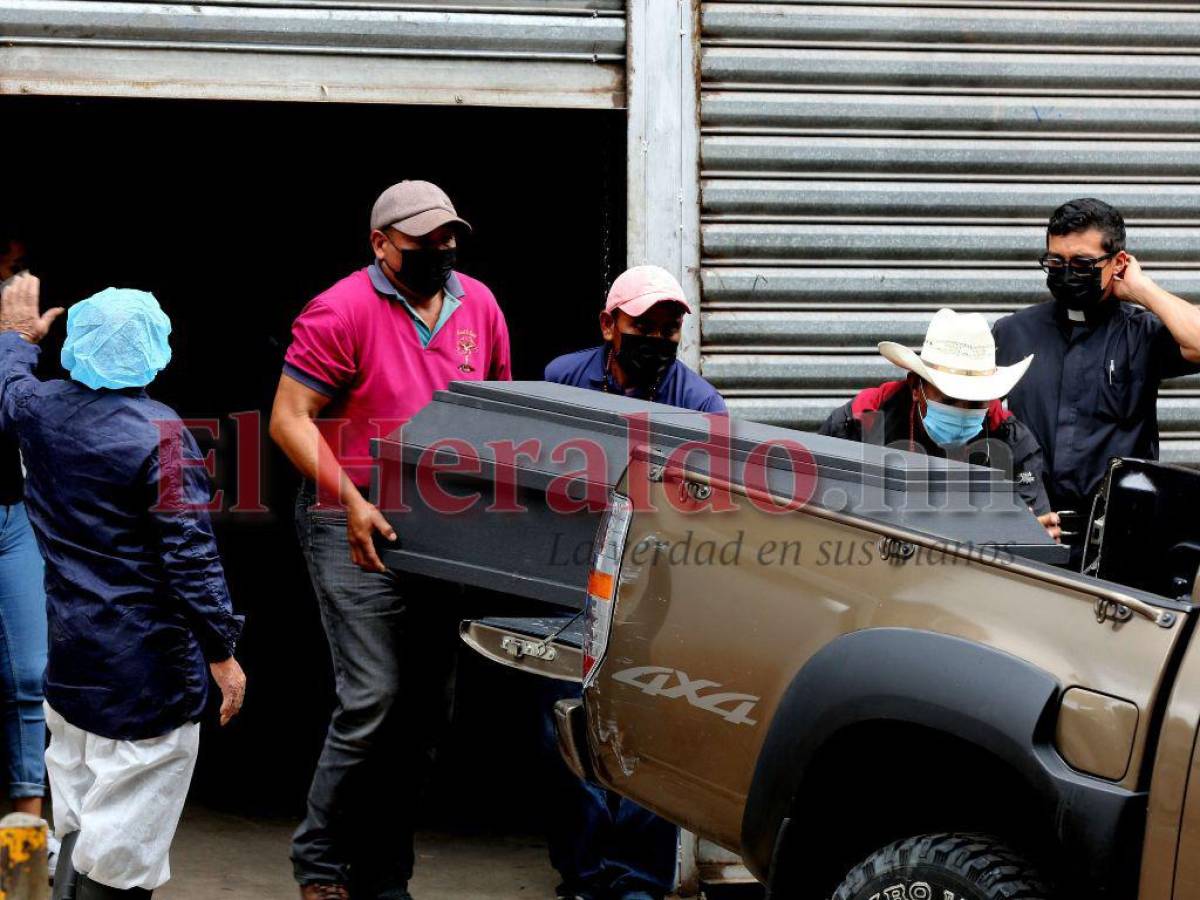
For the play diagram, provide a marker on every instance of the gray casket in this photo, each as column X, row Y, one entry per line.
column 514, row 455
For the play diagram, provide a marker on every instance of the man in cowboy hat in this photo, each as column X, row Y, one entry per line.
column 950, row 406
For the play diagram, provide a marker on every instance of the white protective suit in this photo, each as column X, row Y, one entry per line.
column 123, row 797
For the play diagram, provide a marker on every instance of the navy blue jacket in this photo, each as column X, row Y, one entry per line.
column 680, row 387
column 137, row 599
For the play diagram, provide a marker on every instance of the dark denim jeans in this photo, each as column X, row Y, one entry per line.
column 600, row 842
column 393, row 655
column 23, row 637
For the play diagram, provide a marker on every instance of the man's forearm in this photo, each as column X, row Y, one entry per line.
column 1181, row 318
column 18, row 358
column 306, row 447
column 200, row 586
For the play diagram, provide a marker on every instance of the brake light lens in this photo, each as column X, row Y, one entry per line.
column 607, row 551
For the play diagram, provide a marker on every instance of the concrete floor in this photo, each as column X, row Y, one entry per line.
column 223, row 856
column 216, row 855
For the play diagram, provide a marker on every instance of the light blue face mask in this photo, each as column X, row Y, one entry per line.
column 950, row 426
column 116, row 339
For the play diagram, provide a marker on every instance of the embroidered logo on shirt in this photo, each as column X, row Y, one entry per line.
column 1026, row 478
column 466, row 346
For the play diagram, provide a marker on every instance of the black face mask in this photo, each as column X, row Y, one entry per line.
column 1077, row 292
column 645, row 359
column 424, row 272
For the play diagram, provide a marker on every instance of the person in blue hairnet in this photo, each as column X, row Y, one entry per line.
column 136, row 596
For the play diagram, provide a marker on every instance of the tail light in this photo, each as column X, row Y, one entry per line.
column 602, row 581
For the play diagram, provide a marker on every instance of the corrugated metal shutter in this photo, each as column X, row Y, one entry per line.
column 552, row 53
column 864, row 164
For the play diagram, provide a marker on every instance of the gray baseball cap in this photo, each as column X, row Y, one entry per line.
column 414, row 208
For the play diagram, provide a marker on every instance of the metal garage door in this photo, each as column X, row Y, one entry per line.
column 548, row 53
column 864, row 164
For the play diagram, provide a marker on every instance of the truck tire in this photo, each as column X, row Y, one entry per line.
column 944, row 867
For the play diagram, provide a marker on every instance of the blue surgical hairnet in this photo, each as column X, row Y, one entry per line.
column 116, row 339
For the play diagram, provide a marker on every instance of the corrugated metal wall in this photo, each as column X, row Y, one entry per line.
column 547, row 53
column 864, row 164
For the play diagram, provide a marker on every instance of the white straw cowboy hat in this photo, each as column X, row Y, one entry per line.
column 959, row 358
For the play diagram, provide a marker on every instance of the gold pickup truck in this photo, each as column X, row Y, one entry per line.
column 847, row 685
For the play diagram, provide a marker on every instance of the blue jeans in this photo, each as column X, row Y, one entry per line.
column 599, row 841
column 23, row 637
column 393, row 646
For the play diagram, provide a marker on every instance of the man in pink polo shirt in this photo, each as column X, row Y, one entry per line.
column 365, row 356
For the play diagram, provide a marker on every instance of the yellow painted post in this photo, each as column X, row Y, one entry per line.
column 23, row 873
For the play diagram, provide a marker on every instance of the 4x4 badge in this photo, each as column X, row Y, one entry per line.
column 653, row 680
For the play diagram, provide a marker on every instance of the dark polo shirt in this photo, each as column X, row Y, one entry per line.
column 679, row 387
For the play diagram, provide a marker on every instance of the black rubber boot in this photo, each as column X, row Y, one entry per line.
column 90, row 890
column 66, row 879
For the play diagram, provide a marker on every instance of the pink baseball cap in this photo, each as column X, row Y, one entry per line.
column 639, row 288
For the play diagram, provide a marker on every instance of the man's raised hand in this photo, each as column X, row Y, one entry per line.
column 19, row 308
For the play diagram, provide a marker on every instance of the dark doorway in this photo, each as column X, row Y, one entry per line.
column 234, row 215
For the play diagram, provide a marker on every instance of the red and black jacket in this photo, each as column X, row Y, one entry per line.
column 887, row 416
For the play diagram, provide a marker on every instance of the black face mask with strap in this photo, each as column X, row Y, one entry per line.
column 425, row 272
column 645, row 360
column 1078, row 292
